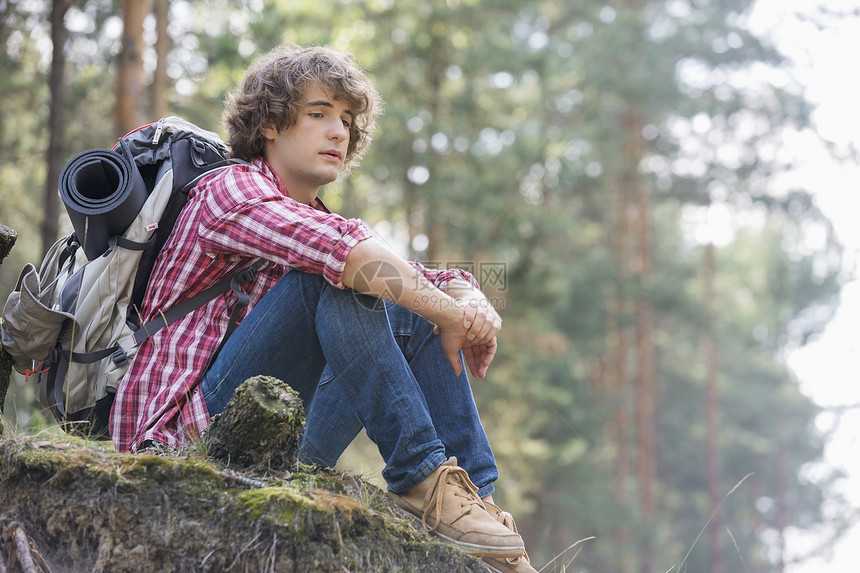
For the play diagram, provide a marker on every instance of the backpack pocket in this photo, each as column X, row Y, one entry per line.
column 30, row 326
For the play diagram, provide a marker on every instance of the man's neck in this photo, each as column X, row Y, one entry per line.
column 302, row 196
column 300, row 193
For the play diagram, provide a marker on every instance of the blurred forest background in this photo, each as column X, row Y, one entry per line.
column 603, row 167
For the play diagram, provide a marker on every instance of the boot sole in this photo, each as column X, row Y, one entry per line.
column 481, row 550
column 470, row 548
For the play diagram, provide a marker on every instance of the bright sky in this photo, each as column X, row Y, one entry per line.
column 827, row 368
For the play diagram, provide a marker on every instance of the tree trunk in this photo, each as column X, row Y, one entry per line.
column 160, row 81
column 712, row 417
column 129, row 84
column 7, row 241
column 260, row 427
column 56, row 125
column 646, row 395
column 619, row 387
column 4, row 69
column 781, row 497
column 433, row 96
column 756, row 491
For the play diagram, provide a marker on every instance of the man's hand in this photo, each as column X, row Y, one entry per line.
column 481, row 323
column 463, row 316
column 479, row 356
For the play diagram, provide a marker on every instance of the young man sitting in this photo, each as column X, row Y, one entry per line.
column 300, row 118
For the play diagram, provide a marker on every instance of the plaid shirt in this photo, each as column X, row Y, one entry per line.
column 232, row 218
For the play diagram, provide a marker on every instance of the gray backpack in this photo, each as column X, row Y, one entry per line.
column 74, row 322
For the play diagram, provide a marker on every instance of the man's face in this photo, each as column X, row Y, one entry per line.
column 310, row 153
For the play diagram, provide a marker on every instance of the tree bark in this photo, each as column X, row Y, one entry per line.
column 781, row 498
column 712, row 417
column 56, row 125
column 129, row 84
column 160, row 82
column 7, row 241
column 619, row 386
column 646, row 386
column 8, row 237
column 434, row 78
column 260, row 427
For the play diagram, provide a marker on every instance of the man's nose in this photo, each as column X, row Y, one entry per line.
column 338, row 131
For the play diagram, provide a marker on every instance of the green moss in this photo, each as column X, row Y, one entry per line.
column 309, row 481
column 278, row 504
column 163, row 469
column 55, row 463
column 259, row 427
column 95, row 508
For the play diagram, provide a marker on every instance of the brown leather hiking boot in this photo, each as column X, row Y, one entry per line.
column 519, row 564
column 449, row 506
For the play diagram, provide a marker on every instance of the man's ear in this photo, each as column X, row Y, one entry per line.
column 268, row 132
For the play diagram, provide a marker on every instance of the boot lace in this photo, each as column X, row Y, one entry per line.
column 507, row 520
column 464, row 489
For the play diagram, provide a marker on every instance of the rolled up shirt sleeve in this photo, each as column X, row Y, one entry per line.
column 354, row 231
column 440, row 278
column 258, row 220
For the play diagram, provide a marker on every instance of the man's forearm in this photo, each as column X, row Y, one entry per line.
column 371, row 268
column 374, row 270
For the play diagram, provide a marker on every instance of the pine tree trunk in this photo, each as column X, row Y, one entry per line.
column 160, row 81
column 712, row 417
column 129, row 85
column 56, row 125
column 781, row 498
column 7, row 241
column 646, row 395
column 435, row 77
column 619, row 387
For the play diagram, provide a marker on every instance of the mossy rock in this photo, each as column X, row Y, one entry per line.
column 92, row 509
column 259, row 427
column 88, row 508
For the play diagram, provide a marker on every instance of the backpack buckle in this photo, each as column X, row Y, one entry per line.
column 247, row 275
column 53, row 356
column 119, row 357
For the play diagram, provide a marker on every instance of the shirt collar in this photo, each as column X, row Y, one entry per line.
column 269, row 172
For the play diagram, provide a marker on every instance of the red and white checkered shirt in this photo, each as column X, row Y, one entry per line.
column 232, row 218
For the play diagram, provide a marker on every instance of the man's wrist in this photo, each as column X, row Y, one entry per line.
column 445, row 310
column 458, row 284
column 460, row 288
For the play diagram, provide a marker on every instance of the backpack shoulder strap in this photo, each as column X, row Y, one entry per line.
column 180, row 309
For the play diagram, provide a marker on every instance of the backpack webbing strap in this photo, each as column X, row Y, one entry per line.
column 128, row 244
column 118, row 354
column 197, row 301
column 244, row 300
column 72, row 245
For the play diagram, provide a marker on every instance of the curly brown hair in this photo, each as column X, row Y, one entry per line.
column 272, row 90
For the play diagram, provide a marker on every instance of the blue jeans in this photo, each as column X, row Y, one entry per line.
column 386, row 372
column 332, row 422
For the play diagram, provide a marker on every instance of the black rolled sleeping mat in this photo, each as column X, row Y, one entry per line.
column 103, row 191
